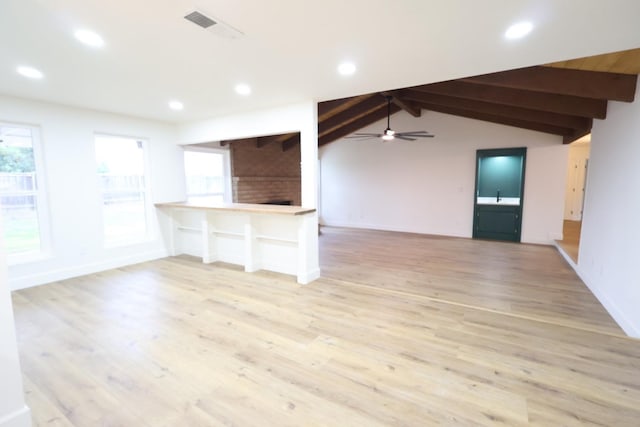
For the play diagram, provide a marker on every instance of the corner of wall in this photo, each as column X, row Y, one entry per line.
column 612, row 308
column 13, row 410
column 608, row 262
column 19, row 418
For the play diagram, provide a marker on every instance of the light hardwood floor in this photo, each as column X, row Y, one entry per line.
column 571, row 238
column 401, row 330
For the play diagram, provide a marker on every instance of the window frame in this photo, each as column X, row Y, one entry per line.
column 150, row 230
column 226, row 170
column 42, row 202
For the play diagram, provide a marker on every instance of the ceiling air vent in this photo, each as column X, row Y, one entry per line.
column 200, row 19
column 213, row 25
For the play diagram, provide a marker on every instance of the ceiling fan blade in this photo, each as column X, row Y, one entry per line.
column 404, row 138
column 363, row 136
column 415, row 133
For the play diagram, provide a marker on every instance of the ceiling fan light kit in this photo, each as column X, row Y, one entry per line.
column 389, row 134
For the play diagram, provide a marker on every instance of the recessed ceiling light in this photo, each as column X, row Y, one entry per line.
column 29, row 72
column 176, row 105
column 89, row 38
column 519, row 30
column 347, row 68
column 243, row 89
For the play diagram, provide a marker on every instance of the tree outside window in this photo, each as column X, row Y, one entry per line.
column 120, row 167
column 21, row 195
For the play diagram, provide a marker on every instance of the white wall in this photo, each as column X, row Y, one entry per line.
column 426, row 186
column 609, row 245
column 74, row 203
column 292, row 118
column 576, row 175
column 13, row 410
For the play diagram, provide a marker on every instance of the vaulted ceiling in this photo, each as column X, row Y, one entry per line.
column 561, row 98
column 289, row 51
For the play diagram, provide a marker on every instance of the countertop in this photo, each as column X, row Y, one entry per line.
column 239, row 207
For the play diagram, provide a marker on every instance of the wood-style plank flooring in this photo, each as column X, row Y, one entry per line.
column 524, row 280
column 570, row 242
column 401, row 330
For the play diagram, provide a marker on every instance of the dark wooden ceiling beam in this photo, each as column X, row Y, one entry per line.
column 247, row 140
column 328, row 109
column 508, row 121
column 561, row 104
column 577, row 134
column 588, row 84
column 270, row 139
column 625, row 62
column 356, row 125
column 353, row 113
column 328, row 106
column 558, row 101
column 555, row 119
column 291, row 142
column 405, row 104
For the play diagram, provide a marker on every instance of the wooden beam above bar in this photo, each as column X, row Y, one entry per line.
column 230, row 141
column 266, row 140
column 291, row 142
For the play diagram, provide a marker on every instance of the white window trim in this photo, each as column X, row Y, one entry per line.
column 226, row 168
column 150, row 229
column 44, row 228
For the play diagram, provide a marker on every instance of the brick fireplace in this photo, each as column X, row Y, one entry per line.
column 265, row 174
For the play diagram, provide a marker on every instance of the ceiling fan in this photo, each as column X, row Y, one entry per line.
column 389, row 134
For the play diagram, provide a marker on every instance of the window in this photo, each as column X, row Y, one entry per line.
column 205, row 173
column 22, row 199
column 121, row 171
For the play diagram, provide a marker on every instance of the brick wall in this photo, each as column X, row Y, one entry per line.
column 251, row 189
column 266, row 173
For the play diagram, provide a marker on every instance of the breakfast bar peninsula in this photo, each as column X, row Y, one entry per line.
column 277, row 238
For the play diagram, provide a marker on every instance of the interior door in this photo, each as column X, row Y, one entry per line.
column 499, row 194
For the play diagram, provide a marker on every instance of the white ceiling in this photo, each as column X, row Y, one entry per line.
column 290, row 49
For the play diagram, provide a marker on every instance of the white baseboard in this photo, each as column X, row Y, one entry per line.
column 190, row 251
column 619, row 317
column 27, row 281
column 538, row 242
column 379, row 227
column 347, row 224
column 309, row 276
column 19, row 418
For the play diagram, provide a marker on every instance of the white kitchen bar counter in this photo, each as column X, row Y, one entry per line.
column 268, row 237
